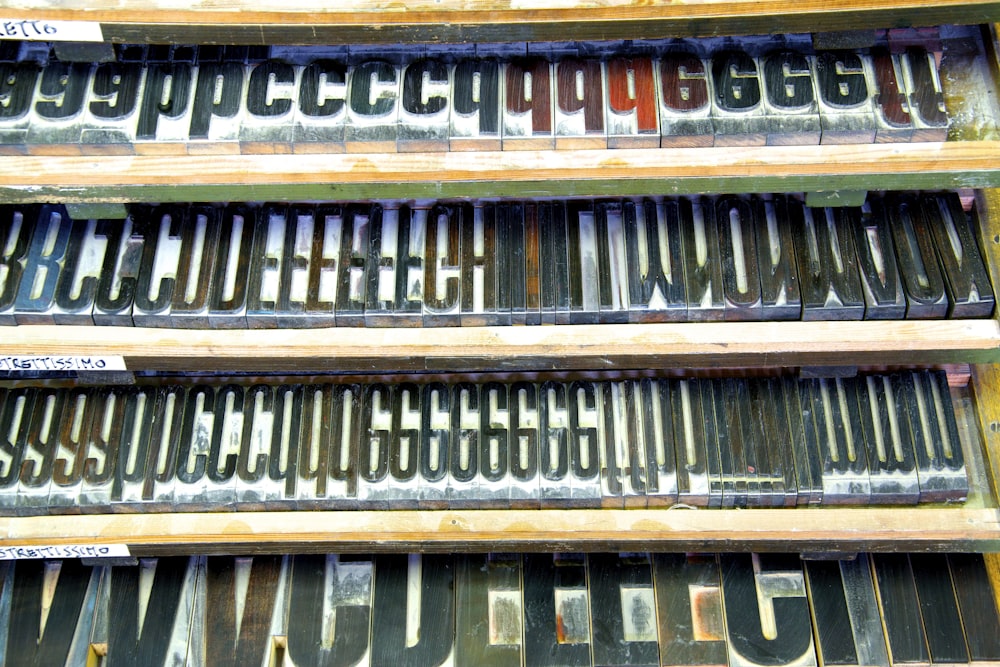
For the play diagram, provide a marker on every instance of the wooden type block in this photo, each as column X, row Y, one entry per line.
column 555, row 456
column 827, row 263
column 845, row 613
column 330, row 611
column 496, row 440
column 804, row 444
column 881, row 282
column 739, row 117
column 404, row 447
column 315, row 435
column 481, row 261
column 15, row 421
column 767, row 612
column 413, row 607
column 267, row 125
column 352, row 272
column 101, row 452
column 623, row 610
column 308, row 283
column 195, row 269
column 913, row 421
column 193, row 490
column 259, row 484
column 17, row 86
column 846, row 107
column 515, row 264
column 489, row 610
column 76, row 287
column 119, row 274
column 689, row 610
column 939, row 610
column 345, row 438
column 238, row 610
column 779, row 280
column 980, row 619
column 373, row 102
column 654, row 264
column 685, row 99
column 756, row 452
column 164, row 123
column 738, row 482
column 131, row 471
column 768, row 408
column 613, row 438
column 584, row 267
column 43, row 264
column 283, row 462
column 376, row 426
column 50, row 615
column 394, row 293
column 38, row 454
column 162, row 229
column 579, row 105
column 632, row 105
column 791, row 109
column 905, row 635
column 17, row 224
column 477, row 98
column 228, row 299
column 527, row 118
column 267, row 256
column 652, row 462
column 69, row 456
column 532, row 265
column 556, row 610
column 554, row 261
column 425, row 106
column 442, row 265
column 57, row 114
column 437, row 403
column 525, row 423
column 941, row 468
column 918, row 261
column 702, row 263
column 319, row 117
column 965, row 277
column 892, row 113
column 149, row 608
column 891, row 467
column 217, row 111
column 594, row 477
column 612, row 262
column 463, row 464
column 924, row 94
column 110, row 117
column 694, row 432
column 164, row 443
column 845, row 461
column 736, row 219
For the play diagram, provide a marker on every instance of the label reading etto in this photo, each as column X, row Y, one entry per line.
column 34, row 30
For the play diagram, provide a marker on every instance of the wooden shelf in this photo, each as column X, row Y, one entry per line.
column 370, row 21
column 520, row 174
column 564, row 347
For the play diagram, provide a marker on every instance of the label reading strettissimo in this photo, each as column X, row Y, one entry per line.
column 38, row 362
column 65, row 551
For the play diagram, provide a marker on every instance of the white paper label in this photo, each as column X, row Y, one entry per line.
column 65, row 551
column 38, row 362
column 51, row 31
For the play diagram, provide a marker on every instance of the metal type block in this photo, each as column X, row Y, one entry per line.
column 532, row 264
column 654, row 263
column 44, row 261
column 376, row 428
column 373, row 104
column 654, row 415
column 941, row 468
column 685, row 100
column 119, row 274
column 228, row 298
column 918, row 262
column 977, row 604
column 736, row 220
column 893, row 122
column 702, row 265
column 495, row 442
column 17, row 86
column 414, row 604
column 924, row 94
column 164, row 444
column 632, row 107
column 132, row 471
column 594, row 477
column 528, row 109
column 255, row 488
column 612, row 446
column 164, row 123
column 779, row 280
column 557, row 619
column 463, row 463
column 766, row 609
column 489, row 609
column 307, row 282
column 438, row 403
column 442, row 265
column 17, row 224
column 555, row 456
column 345, row 439
column 845, row 461
column 845, row 613
column 57, row 114
column 939, row 609
column 891, row 465
column 38, row 453
column 623, row 610
column 791, row 109
column 477, row 99
column 525, row 445
column 739, row 117
column 352, row 272
column 268, row 123
column 584, row 269
column 110, row 117
column 70, row 453
column 965, row 277
column 554, row 261
column 613, row 293
column 163, row 231
column 315, row 446
column 330, row 614
column 846, row 106
column 881, row 282
column 827, row 262
column 425, row 106
column 195, row 268
column 217, row 110
column 686, row 410
column 804, row 443
column 579, row 105
column 768, row 409
column 905, row 635
column 689, row 610
column 101, row 451
column 319, row 116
